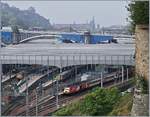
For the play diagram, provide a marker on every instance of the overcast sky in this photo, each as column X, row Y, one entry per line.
column 106, row 13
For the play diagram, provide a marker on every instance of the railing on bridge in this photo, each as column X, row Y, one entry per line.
column 62, row 60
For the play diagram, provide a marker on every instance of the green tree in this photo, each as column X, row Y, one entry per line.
column 139, row 13
column 100, row 102
column 97, row 103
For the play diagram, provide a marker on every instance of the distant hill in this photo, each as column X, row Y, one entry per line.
column 23, row 18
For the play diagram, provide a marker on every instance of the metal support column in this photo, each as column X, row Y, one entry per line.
column 76, row 73
column 57, row 105
column 122, row 74
column 101, row 79
column 27, row 98
column 52, row 92
column 119, row 73
column 75, row 67
column 0, row 72
column 92, row 64
column 53, row 85
column 87, row 68
column 57, row 91
column 0, row 80
column 127, row 74
column 37, row 101
column 10, row 71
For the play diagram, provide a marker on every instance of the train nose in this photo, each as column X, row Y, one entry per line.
column 66, row 90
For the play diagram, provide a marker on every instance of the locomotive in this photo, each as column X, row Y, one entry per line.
column 86, row 84
column 80, row 86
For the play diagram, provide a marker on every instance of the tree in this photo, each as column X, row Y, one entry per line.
column 31, row 9
column 139, row 13
column 100, row 102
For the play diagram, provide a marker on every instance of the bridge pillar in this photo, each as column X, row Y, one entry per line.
column 87, row 37
column 122, row 74
column 16, row 38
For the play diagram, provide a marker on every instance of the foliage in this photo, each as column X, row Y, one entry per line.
column 123, row 106
column 139, row 12
column 12, row 16
column 99, row 102
column 143, row 84
column 72, row 109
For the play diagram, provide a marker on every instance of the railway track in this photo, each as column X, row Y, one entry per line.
column 49, row 105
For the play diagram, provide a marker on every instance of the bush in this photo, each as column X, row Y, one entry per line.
column 139, row 13
column 123, row 106
column 99, row 102
column 143, row 84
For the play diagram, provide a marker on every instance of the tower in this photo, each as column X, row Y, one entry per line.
column 92, row 23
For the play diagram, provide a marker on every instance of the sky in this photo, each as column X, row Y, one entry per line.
column 106, row 13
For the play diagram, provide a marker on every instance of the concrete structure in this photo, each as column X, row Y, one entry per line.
column 87, row 37
column 62, row 55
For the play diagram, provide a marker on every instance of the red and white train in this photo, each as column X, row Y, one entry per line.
column 90, row 83
column 87, row 84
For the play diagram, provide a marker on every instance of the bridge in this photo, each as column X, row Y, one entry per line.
column 78, row 37
column 62, row 55
column 38, row 37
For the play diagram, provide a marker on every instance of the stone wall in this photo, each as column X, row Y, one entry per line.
column 141, row 101
column 142, row 50
column 140, row 105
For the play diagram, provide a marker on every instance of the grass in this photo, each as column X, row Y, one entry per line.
column 70, row 110
column 124, row 106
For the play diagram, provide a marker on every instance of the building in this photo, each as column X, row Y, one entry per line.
column 6, row 35
column 90, row 26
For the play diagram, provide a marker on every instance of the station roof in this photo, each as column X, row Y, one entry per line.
column 61, row 54
column 49, row 47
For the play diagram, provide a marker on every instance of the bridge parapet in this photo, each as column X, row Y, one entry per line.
column 61, row 60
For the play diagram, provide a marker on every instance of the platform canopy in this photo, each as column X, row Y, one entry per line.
column 60, row 54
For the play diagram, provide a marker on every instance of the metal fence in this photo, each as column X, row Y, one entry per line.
column 68, row 60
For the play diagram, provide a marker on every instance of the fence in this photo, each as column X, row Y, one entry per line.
column 63, row 60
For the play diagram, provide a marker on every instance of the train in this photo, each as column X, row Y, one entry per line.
column 65, row 75
column 83, row 85
column 87, row 84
